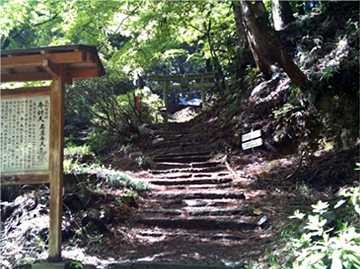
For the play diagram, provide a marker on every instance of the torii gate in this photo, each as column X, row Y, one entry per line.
column 32, row 120
column 184, row 84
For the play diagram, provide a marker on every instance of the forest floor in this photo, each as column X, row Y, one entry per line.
column 266, row 184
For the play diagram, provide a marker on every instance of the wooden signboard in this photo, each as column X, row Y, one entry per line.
column 32, row 120
column 251, row 140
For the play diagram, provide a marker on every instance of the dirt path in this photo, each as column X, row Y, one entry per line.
column 200, row 212
column 198, row 209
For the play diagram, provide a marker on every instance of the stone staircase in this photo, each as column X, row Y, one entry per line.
column 194, row 197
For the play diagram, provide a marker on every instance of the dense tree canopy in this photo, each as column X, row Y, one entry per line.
column 137, row 38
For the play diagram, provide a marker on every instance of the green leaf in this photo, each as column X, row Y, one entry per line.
column 339, row 203
column 336, row 261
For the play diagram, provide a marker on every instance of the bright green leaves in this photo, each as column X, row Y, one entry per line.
column 45, row 23
column 135, row 35
column 160, row 28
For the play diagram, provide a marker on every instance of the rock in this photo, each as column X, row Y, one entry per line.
column 93, row 213
column 157, row 140
column 135, row 155
column 73, row 202
column 331, row 218
column 26, row 202
column 92, row 226
column 222, row 212
column 194, row 203
column 331, row 222
column 106, row 214
column 7, row 209
column 264, row 222
column 84, row 196
column 130, row 201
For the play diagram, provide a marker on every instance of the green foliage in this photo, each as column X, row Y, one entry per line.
column 324, row 242
column 76, row 265
column 72, row 149
column 252, row 76
column 143, row 162
column 103, row 140
column 75, row 167
column 107, row 106
column 298, row 122
column 118, row 180
column 324, row 247
column 43, row 23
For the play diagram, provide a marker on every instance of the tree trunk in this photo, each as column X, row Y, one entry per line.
column 243, row 52
column 281, row 13
column 264, row 44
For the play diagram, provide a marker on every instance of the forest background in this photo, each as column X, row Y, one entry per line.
column 290, row 68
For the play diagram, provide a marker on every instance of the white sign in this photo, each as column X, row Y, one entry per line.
column 252, row 144
column 251, row 135
column 24, row 134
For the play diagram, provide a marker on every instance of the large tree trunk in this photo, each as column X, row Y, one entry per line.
column 243, row 47
column 264, row 44
column 282, row 14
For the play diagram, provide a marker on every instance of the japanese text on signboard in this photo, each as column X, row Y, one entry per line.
column 24, row 134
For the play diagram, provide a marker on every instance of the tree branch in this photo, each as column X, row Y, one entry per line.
column 118, row 28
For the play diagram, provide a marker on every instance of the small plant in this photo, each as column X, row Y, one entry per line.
column 85, row 149
column 322, row 246
column 118, row 180
column 76, row 265
column 143, row 162
column 252, row 75
column 137, row 186
column 75, row 167
column 303, row 189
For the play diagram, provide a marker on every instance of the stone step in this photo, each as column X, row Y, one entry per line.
column 238, row 211
column 170, row 126
column 197, row 195
column 183, row 154
column 177, row 165
column 242, row 211
column 192, row 203
column 174, row 136
column 205, row 203
column 190, row 175
column 200, row 223
column 173, row 130
column 198, row 186
column 183, row 159
column 185, row 145
column 177, row 149
column 169, row 182
column 169, row 141
column 212, row 236
column 189, row 170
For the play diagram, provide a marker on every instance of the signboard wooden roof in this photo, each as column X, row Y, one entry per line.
column 40, row 63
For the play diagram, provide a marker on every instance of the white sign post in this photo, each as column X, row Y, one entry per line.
column 253, row 140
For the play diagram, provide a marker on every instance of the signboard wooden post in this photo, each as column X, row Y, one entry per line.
column 32, row 120
column 183, row 79
column 251, row 140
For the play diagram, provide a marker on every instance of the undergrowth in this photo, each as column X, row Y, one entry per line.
column 328, row 237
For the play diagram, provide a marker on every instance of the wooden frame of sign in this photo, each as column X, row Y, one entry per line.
column 184, row 84
column 32, row 120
